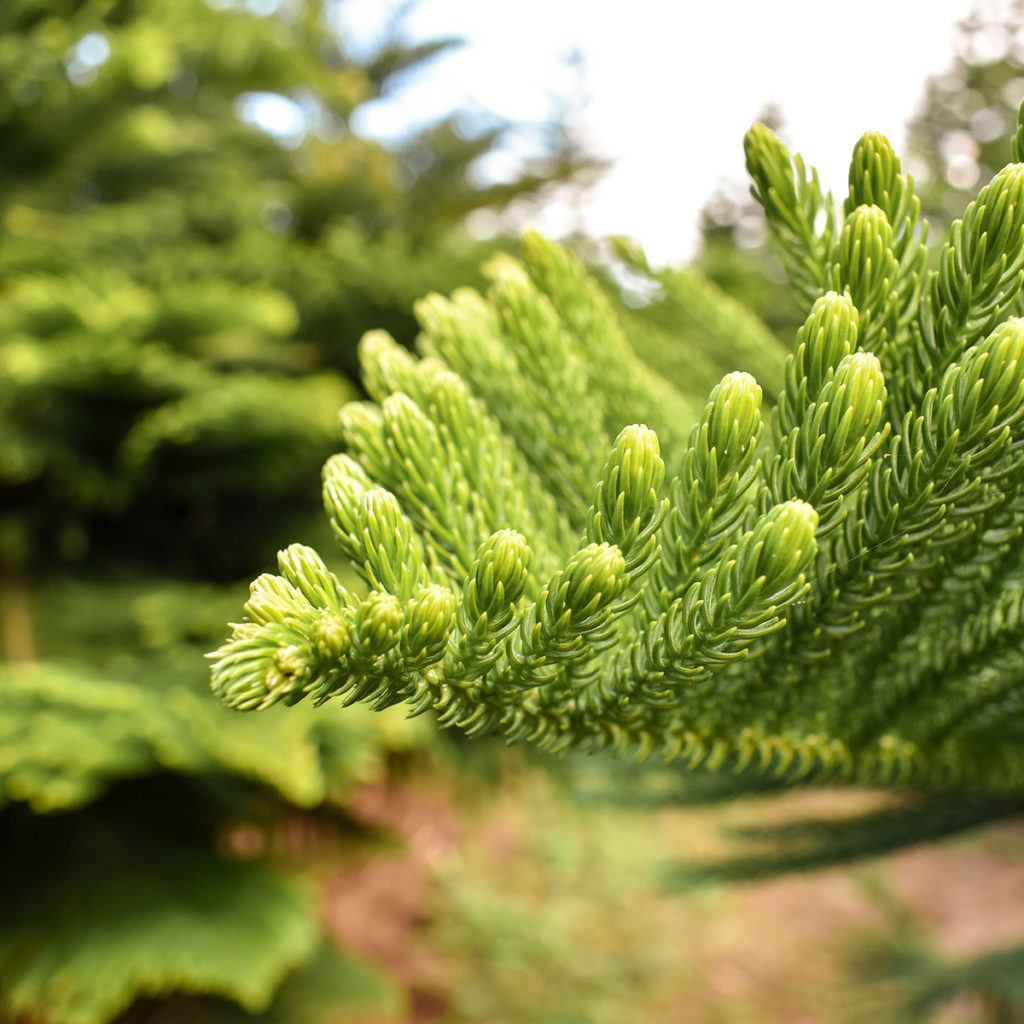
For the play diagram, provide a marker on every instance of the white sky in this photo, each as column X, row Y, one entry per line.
column 673, row 86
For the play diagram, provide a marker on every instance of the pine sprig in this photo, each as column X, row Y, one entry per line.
column 713, row 492
column 876, row 179
column 828, row 456
column 790, row 193
column 865, row 267
column 977, row 283
column 837, row 594
column 737, row 601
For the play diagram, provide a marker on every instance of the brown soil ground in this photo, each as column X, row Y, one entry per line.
column 773, row 952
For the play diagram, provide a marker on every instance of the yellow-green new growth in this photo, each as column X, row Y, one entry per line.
column 827, row 336
column 743, row 597
column 865, row 267
column 828, row 455
column 710, row 497
column 627, row 509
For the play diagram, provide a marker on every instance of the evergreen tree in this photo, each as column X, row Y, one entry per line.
column 829, row 591
column 163, row 261
column 181, row 291
column 959, row 136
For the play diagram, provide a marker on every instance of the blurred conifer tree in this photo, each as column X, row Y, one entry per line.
column 956, row 140
column 192, row 240
column 172, row 276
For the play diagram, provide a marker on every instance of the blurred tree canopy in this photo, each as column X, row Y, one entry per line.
column 956, row 140
column 192, row 241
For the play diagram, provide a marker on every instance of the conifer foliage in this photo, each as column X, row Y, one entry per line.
column 555, row 553
column 181, row 292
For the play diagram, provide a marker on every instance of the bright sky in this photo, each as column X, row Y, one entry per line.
column 672, row 86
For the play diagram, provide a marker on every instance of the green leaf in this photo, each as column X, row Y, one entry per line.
column 90, row 928
column 333, row 987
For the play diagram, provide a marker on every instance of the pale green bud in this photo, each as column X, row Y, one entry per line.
column 790, row 194
column 502, row 268
column 330, row 635
column 497, row 579
column 452, row 406
column 826, row 337
column 875, row 174
column 343, row 474
column 290, row 661
column 769, row 164
column 633, row 477
column 592, row 579
column 994, row 223
column 415, row 447
column 627, row 510
column 391, row 551
column 827, row 456
column 305, row 570
column 378, row 623
column 733, row 417
column 288, row 675
column 386, row 366
column 866, row 265
column 344, row 484
column 382, row 521
column 853, row 403
column 361, row 426
column 993, row 376
column 357, row 419
column 429, row 619
column 978, row 280
column 241, row 665
column 272, row 598
column 402, row 416
column 981, row 400
column 780, row 548
column 718, row 470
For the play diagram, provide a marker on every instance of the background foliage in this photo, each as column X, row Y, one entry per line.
column 183, row 280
